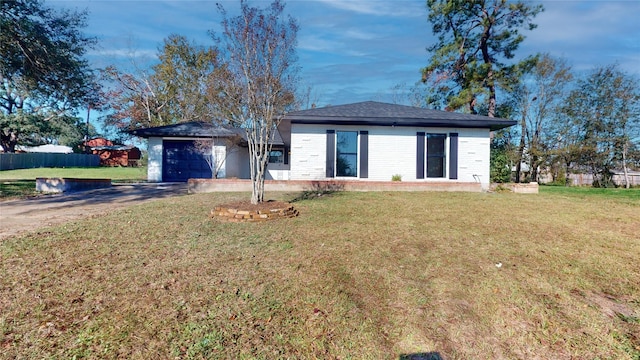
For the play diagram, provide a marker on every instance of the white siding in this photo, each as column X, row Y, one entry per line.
column 234, row 159
column 308, row 152
column 219, row 161
column 237, row 163
column 277, row 171
column 392, row 150
column 473, row 156
column 154, row 164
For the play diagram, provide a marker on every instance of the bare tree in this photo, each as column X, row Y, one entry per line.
column 537, row 98
column 604, row 109
column 259, row 49
column 134, row 99
column 307, row 97
column 181, row 87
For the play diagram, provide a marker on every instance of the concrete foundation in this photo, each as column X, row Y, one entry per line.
column 59, row 185
column 521, row 188
column 239, row 185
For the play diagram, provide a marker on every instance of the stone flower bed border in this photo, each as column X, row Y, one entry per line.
column 265, row 212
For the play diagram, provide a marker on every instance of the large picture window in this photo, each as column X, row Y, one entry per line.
column 347, row 153
column 436, row 156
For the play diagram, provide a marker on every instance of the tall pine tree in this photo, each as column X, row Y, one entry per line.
column 475, row 37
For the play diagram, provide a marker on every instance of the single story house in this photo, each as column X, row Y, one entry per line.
column 203, row 150
column 366, row 141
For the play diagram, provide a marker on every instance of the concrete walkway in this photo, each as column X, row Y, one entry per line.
column 17, row 216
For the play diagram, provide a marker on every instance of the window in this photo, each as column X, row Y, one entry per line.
column 347, row 153
column 436, row 156
column 276, row 156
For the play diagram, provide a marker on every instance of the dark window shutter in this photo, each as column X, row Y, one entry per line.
column 286, row 155
column 364, row 154
column 453, row 156
column 420, row 156
column 331, row 153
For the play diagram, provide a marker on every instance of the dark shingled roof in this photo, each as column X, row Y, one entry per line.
column 188, row 129
column 197, row 129
column 383, row 114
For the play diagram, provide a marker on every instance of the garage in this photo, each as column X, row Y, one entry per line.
column 181, row 161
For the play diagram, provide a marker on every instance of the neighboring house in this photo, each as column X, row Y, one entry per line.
column 47, row 148
column 367, row 141
column 111, row 154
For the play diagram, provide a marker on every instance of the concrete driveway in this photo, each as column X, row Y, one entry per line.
column 17, row 216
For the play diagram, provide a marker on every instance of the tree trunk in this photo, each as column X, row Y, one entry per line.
column 624, row 166
column 257, row 193
column 534, row 168
column 259, row 157
column 523, row 132
column 491, row 112
column 486, row 57
column 9, row 141
column 567, row 180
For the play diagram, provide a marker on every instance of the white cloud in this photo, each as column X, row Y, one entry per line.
column 355, row 49
column 379, row 8
column 314, row 42
column 588, row 34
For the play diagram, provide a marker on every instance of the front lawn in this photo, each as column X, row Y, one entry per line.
column 102, row 172
column 358, row 275
column 631, row 195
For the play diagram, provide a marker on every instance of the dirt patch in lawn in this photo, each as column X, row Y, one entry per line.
column 611, row 306
column 28, row 214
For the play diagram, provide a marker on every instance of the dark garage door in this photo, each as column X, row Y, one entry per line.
column 180, row 161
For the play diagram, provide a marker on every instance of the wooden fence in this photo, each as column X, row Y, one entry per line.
column 617, row 177
column 38, row 160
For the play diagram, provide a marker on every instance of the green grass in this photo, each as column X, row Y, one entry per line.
column 631, row 195
column 114, row 173
column 13, row 189
column 22, row 183
column 356, row 276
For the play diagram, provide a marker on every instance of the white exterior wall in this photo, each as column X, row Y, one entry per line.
column 219, row 160
column 237, row 163
column 474, row 153
column 154, row 163
column 277, row 172
column 392, row 150
column 232, row 162
column 308, row 152
column 238, row 166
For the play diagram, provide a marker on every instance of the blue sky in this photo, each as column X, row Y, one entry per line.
column 352, row 50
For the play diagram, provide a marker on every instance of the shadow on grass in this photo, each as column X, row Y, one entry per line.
column 319, row 189
column 17, row 188
column 432, row 355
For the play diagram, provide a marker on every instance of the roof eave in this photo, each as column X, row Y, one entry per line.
column 404, row 122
